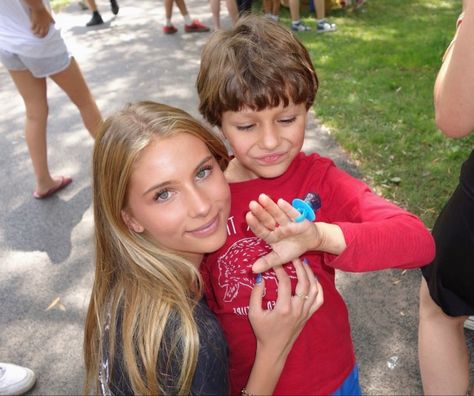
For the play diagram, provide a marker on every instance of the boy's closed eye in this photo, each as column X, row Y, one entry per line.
column 246, row 127
column 288, row 120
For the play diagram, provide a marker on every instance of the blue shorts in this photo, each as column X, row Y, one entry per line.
column 350, row 386
column 39, row 67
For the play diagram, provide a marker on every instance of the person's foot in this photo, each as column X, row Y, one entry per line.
column 169, row 29
column 95, row 20
column 324, row 26
column 15, row 380
column 300, row 27
column 114, row 7
column 61, row 182
column 196, row 27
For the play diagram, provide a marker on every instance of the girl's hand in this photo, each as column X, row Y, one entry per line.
column 41, row 20
column 277, row 330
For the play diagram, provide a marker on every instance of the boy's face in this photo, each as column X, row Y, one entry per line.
column 264, row 142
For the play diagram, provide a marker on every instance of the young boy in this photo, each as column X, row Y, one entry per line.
column 256, row 84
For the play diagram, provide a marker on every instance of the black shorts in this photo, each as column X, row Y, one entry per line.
column 450, row 277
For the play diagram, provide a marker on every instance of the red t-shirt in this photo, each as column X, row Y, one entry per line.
column 378, row 235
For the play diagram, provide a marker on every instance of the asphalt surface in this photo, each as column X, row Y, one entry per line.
column 46, row 247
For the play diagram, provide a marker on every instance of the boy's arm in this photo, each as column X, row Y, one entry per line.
column 40, row 17
column 366, row 233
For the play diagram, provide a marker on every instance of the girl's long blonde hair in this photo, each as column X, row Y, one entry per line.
column 134, row 278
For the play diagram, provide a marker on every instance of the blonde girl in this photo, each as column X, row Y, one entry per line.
column 160, row 203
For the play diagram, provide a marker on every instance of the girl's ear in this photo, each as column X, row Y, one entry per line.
column 132, row 224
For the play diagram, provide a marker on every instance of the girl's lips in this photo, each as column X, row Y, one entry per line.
column 207, row 229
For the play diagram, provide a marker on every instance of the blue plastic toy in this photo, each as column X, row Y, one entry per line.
column 307, row 207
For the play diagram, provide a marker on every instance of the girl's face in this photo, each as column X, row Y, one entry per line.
column 178, row 195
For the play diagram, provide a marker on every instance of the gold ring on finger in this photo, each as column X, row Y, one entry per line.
column 301, row 295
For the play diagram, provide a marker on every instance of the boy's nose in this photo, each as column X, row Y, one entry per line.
column 270, row 138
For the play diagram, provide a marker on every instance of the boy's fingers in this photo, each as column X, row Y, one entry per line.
column 289, row 210
column 264, row 263
column 256, row 226
column 262, row 215
column 272, row 208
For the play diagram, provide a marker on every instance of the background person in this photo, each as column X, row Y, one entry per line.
column 32, row 49
column 447, row 286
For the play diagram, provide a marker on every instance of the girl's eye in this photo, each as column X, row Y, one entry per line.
column 204, row 172
column 161, row 196
column 288, row 120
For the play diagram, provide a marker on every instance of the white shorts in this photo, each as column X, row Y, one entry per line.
column 39, row 67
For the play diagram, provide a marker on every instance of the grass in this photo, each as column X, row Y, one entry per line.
column 58, row 5
column 376, row 95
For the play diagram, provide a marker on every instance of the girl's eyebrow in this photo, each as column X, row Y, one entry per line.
column 165, row 183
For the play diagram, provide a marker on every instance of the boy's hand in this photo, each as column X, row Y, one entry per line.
column 40, row 17
column 273, row 222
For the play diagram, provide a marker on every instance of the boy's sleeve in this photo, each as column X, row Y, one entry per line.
column 378, row 234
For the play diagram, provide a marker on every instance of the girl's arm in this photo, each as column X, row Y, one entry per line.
column 277, row 330
column 454, row 87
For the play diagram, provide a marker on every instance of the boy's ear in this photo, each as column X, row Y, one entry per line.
column 132, row 224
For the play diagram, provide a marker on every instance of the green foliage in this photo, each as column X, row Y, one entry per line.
column 57, row 5
column 377, row 74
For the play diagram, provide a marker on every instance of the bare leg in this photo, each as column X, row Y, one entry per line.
column 295, row 10
column 320, row 8
column 216, row 12
column 168, row 8
column 182, row 7
column 442, row 349
column 33, row 91
column 267, row 6
column 232, row 10
column 72, row 82
column 92, row 5
column 276, row 7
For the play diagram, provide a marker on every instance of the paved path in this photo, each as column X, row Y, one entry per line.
column 46, row 248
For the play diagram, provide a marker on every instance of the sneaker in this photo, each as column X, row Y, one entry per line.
column 324, row 26
column 114, row 7
column 169, row 29
column 300, row 27
column 15, row 380
column 469, row 323
column 196, row 27
column 95, row 20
